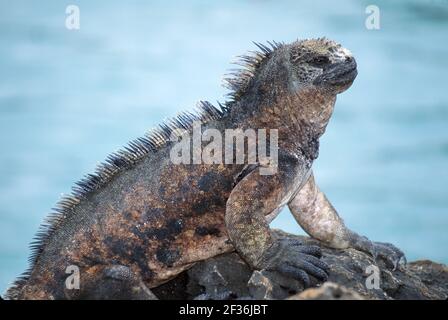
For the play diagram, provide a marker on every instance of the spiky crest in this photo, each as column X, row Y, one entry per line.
column 239, row 79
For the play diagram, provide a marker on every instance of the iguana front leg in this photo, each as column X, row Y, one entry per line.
column 315, row 214
column 254, row 197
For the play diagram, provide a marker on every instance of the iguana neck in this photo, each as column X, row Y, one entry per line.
column 300, row 118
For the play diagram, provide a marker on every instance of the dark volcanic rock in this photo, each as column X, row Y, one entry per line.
column 351, row 276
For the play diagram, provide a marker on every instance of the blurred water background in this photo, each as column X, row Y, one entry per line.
column 68, row 98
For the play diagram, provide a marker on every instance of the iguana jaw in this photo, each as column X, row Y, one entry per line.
column 338, row 76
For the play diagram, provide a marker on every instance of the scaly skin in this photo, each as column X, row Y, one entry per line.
column 150, row 219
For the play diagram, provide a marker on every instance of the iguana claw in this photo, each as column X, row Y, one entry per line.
column 294, row 259
column 386, row 251
column 390, row 253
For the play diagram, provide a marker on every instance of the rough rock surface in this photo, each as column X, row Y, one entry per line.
column 228, row 277
column 328, row 291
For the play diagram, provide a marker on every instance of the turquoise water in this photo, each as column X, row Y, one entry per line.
column 68, row 98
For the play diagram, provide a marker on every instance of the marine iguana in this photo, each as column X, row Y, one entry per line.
column 140, row 220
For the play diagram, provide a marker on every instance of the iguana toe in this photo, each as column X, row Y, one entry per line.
column 296, row 273
column 380, row 250
column 296, row 261
column 390, row 253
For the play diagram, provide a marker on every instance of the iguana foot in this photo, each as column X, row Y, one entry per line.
column 292, row 258
column 385, row 251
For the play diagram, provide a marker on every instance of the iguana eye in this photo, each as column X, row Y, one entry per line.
column 320, row 60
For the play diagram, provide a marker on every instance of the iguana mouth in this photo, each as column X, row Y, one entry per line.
column 337, row 74
column 345, row 77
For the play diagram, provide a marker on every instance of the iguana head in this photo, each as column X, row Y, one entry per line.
column 278, row 68
column 322, row 63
